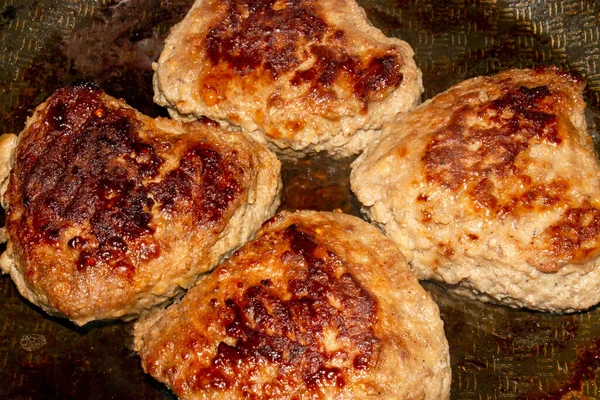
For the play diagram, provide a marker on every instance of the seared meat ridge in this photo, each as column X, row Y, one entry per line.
column 493, row 186
column 303, row 75
column 319, row 305
column 110, row 212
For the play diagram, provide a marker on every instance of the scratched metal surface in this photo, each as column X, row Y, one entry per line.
column 496, row 352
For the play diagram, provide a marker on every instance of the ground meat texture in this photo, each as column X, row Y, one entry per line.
column 255, row 37
column 461, row 154
column 289, row 333
column 85, row 164
column 304, row 76
column 110, row 212
column 319, row 305
column 258, row 34
column 492, row 187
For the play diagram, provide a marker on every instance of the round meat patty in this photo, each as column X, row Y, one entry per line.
column 493, row 187
column 303, row 76
column 110, row 212
column 319, row 306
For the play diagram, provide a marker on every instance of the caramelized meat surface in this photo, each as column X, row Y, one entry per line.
column 493, row 186
column 319, row 305
column 303, row 75
column 105, row 206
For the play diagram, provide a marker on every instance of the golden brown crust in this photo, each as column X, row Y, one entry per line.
column 283, row 68
column 574, row 238
column 498, row 172
column 488, row 159
column 284, row 323
column 94, row 182
column 478, row 155
column 297, row 313
column 268, row 39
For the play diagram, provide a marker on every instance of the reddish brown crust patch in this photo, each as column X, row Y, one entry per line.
column 288, row 334
column 575, row 237
column 84, row 165
column 276, row 37
column 572, row 75
column 479, row 160
column 255, row 34
column 209, row 122
column 334, row 64
column 460, row 156
column 446, row 249
column 426, row 216
column 381, row 73
column 205, row 185
column 472, row 237
column 542, row 196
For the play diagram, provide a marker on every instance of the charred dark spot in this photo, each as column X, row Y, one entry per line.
column 338, row 35
column 360, row 362
column 255, row 35
column 381, row 73
column 302, row 243
column 230, row 303
column 288, row 334
column 528, row 95
column 75, row 168
column 277, row 39
column 208, row 121
column 205, row 184
column 266, row 282
column 76, row 242
column 334, row 64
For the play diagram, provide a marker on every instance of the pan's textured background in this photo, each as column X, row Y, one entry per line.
column 497, row 353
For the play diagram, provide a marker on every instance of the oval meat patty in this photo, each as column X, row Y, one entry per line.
column 493, row 187
column 303, row 75
column 110, row 212
column 319, row 306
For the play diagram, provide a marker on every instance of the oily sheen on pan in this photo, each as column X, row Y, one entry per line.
column 493, row 187
column 304, row 75
column 319, row 306
column 109, row 212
